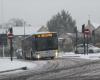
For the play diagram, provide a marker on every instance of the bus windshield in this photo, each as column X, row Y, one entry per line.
column 45, row 43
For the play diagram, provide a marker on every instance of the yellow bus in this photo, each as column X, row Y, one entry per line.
column 40, row 45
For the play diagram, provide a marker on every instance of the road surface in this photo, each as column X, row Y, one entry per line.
column 60, row 69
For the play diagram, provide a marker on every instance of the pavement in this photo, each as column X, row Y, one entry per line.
column 91, row 56
column 6, row 65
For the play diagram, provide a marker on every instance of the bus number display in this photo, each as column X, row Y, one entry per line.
column 44, row 35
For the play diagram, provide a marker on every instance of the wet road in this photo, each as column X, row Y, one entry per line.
column 60, row 69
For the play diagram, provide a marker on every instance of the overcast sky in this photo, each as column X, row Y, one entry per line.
column 38, row 12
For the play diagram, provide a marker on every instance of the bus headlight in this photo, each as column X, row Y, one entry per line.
column 38, row 56
column 56, row 54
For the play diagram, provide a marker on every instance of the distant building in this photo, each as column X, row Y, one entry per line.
column 21, row 32
column 94, row 32
column 18, row 34
column 65, row 42
column 43, row 29
column 90, row 26
column 97, row 35
column 25, row 30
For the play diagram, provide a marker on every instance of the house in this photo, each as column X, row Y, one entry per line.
column 18, row 34
column 43, row 29
column 97, row 31
column 90, row 26
column 97, row 35
column 21, row 32
column 65, row 42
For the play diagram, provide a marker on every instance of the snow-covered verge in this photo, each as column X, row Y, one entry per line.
column 6, row 64
column 92, row 56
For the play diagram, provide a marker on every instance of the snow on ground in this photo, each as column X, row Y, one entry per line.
column 7, row 64
column 92, row 56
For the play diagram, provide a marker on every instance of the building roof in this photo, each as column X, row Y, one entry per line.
column 22, row 30
column 90, row 26
column 97, row 31
column 43, row 29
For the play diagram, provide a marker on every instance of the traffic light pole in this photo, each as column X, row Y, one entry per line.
column 87, row 44
column 83, row 28
column 84, row 44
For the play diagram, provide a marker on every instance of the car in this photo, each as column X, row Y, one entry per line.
column 19, row 53
column 91, row 49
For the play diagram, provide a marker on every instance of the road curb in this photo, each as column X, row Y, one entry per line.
column 22, row 68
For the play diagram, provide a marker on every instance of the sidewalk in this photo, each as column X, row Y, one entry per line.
column 91, row 56
column 7, row 65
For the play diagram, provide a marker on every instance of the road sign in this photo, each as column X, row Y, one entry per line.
column 86, row 31
column 10, row 35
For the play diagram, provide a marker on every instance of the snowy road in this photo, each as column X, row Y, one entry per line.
column 60, row 69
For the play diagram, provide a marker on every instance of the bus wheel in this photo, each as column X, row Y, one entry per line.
column 52, row 57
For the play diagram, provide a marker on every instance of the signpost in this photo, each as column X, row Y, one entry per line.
column 10, row 36
column 83, row 28
column 87, row 33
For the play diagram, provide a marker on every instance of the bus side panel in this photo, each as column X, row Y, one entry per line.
column 45, row 54
column 27, row 47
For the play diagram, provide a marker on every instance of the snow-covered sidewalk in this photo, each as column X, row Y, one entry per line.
column 92, row 56
column 7, row 65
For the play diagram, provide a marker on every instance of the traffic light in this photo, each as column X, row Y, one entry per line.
column 75, row 29
column 11, row 30
column 83, row 27
column 93, row 32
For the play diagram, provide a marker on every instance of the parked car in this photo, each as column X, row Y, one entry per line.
column 91, row 49
column 19, row 53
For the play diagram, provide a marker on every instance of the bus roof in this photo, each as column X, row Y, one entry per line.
column 36, row 33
